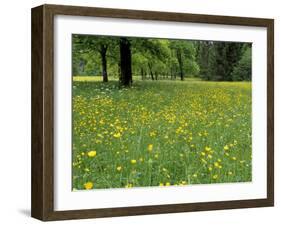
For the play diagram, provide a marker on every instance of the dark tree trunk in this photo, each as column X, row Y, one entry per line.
column 179, row 58
column 181, row 72
column 142, row 73
column 103, row 63
column 150, row 70
column 119, row 70
column 125, row 62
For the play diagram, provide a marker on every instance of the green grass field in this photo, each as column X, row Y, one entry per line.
column 160, row 133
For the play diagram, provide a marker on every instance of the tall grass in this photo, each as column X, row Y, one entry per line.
column 160, row 133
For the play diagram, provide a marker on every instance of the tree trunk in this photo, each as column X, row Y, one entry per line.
column 125, row 62
column 150, row 70
column 103, row 63
column 119, row 70
column 142, row 73
column 181, row 72
column 179, row 57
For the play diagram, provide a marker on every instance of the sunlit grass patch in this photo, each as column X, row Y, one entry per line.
column 87, row 78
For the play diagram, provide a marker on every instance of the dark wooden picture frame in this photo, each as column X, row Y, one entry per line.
column 42, row 203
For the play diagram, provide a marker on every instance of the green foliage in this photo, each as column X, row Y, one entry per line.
column 203, row 56
column 184, row 52
column 243, row 70
column 158, row 59
column 191, row 68
column 217, row 60
column 88, row 52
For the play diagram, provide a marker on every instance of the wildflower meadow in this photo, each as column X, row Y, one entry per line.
column 160, row 133
column 160, row 112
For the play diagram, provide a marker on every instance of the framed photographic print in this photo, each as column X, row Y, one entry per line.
column 141, row 112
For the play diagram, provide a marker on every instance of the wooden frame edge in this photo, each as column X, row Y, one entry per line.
column 158, row 209
column 42, row 198
column 42, row 113
column 270, row 111
column 37, row 113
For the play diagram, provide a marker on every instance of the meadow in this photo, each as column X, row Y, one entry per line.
column 160, row 133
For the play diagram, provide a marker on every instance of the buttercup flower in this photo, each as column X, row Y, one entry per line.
column 117, row 135
column 92, row 153
column 88, row 185
column 150, row 147
column 133, row 161
column 215, row 176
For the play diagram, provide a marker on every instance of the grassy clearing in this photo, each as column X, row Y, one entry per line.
column 160, row 133
column 115, row 78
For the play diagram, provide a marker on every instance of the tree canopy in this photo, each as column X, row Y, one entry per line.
column 147, row 58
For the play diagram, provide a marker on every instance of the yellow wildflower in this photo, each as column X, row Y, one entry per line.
column 133, row 161
column 92, row 153
column 208, row 148
column 184, row 182
column 119, row 168
column 117, row 135
column 88, row 185
column 150, row 147
column 129, row 185
column 216, row 164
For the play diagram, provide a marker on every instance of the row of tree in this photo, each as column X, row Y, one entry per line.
column 160, row 59
column 224, row 61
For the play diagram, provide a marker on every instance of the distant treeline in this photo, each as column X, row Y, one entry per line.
column 160, row 59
